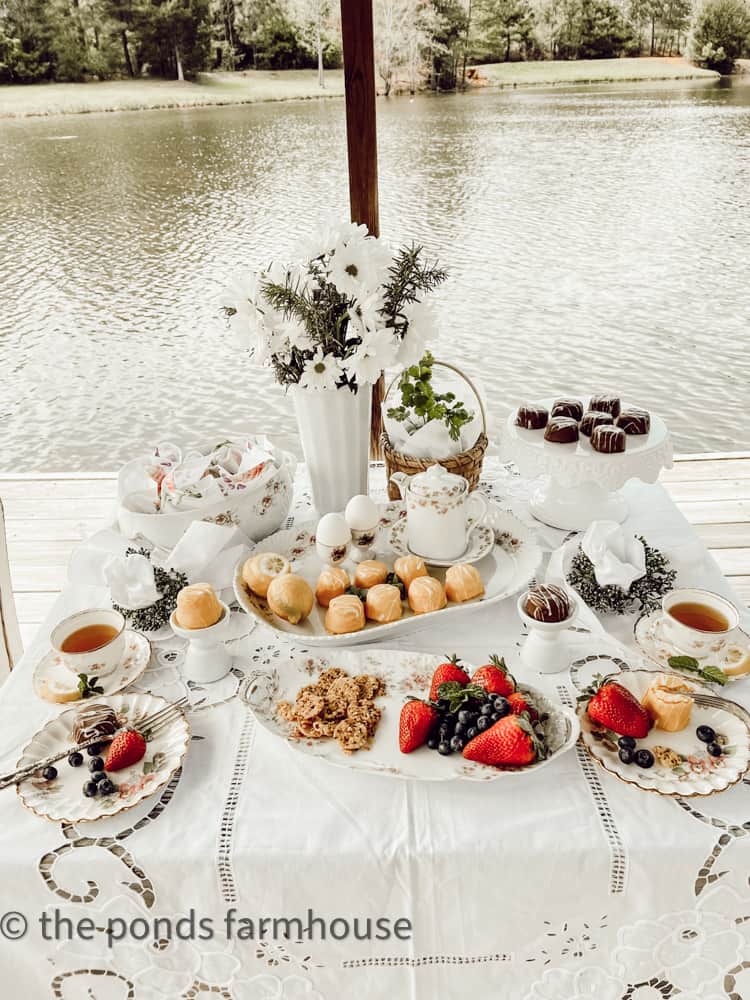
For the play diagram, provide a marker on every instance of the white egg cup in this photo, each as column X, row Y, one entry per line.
column 546, row 648
column 206, row 658
column 362, row 544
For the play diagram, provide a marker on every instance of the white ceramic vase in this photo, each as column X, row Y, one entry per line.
column 334, row 427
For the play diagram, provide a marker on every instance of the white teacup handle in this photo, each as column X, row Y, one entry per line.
column 476, row 507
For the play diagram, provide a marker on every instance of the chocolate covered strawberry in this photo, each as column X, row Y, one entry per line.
column 611, row 705
column 415, row 724
column 494, row 677
column 510, row 742
column 128, row 747
column 447, row 673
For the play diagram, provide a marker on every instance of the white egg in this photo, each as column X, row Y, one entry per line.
column 361, row 513
column 333, row 530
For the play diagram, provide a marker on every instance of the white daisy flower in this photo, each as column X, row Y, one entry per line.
column 320, row 372
column 359, row 267
column 376, row 352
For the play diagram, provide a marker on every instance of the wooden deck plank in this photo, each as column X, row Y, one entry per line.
column 735, row 534
column 693, row 472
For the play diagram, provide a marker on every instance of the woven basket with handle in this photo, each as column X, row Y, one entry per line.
column 467, row 463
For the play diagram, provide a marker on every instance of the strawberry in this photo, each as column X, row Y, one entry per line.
column 511, row 742
column 417, row 719
column 447, row 673
column 494, row 677
column 520, row 703
column 611, row 705
column 128, row 747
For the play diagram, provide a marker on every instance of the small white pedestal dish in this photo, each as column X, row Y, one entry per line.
column 547, row 647
column 206, row 659
column 581, row 485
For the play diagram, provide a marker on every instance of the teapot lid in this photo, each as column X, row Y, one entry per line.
column 436, row 482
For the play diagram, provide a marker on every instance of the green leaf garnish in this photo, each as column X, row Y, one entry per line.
column 87, row 686
column 713, row 674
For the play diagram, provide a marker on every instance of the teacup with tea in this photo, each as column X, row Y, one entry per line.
column 699, row 622
column 90, row 642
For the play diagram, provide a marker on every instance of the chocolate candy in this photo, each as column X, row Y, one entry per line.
column 94, row 720
column 547, row 603
column 572, row 408
column 593, row 419
column 605, row 403
column 608, row 439
column 561, row 430
column 634, row 421
column 533, row 418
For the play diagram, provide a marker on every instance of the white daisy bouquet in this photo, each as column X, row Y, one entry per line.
column 348, row 309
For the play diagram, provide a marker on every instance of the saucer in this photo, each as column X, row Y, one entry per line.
column 649, row 636
column 480, row 544
column 53, row 681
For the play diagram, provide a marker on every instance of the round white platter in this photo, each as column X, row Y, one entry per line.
column 697, row 773
column 510, row 565
column 52, row 677
column 481, row 540
column 62, row 800
column 406, row 675
column 650, row 638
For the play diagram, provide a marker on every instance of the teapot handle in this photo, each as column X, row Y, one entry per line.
column 479, row 512
column 402, row 481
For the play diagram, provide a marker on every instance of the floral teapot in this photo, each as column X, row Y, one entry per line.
column 440, row 512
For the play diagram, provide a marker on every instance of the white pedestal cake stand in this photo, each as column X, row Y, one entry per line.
column 580, row 485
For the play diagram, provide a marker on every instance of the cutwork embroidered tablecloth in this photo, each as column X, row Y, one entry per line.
column 562, row 886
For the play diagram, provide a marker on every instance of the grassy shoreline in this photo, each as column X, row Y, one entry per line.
column 217, row 89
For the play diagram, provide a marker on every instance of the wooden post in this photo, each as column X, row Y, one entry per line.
column 361, row 136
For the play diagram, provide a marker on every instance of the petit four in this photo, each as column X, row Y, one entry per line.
column 408, row 568
column 426, row 594
column 533, row 418
column 463, row 583
column 332, row 582
column 383, row 603
column 345, row 614
column 572, row 408
column 370, row 573
column 608, row 439
column 561, row 430
column 593, row 419
column 260, row 569
column 667, row 700
column 547, row 603
column 94, row 720
column 198, row 606
column 291, row 598
column 607, row 403
column 634, row 421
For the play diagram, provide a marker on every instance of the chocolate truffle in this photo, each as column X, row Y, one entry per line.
column 533, row 418
column 561, row 430
column 608, row 439
column 594, row 419
column 605, row 403
column 547, row 603
column 94, row 720
column 572, row 408
column 634, row 421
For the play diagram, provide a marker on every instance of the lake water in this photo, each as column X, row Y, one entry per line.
column 596, row 238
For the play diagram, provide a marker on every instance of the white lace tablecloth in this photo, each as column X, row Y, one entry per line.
column 563, row 885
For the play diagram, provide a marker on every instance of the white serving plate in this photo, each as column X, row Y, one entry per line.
column 405, row 674
column 510, row 565
column 701, row 774
column 63, row 801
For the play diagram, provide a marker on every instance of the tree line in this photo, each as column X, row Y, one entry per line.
column 418, row 42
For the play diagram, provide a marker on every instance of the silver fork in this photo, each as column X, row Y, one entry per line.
column 713, row 701
column 152, row 723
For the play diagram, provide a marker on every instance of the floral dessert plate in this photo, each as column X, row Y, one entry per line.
column 682, row 764
column 506, row 569
column 62, row 799
column 405, row 675
column 651, row 640
column 481, row 540
column 54, row 682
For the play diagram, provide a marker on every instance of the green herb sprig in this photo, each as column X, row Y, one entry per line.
column 713, row 674
column 420, row 403
column 87, row 686
column 644, row 595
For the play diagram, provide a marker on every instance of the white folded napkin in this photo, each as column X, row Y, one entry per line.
column 619, row 557
column 131, row 581
column 208, row 553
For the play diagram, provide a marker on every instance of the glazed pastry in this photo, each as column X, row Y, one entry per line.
column 533, row 418
column 291, row 598
column 370, row 573
column 668, row 702
column 608, row 439
column 593, row 419
column 345, row 614
column 634, row 421
column 606, row 403
column 463, row 583
column 332, row 582
column 94, row 720
column 408, row 568
column 383, row 603
column 198, row 606
column 561, row 430
column 547, row 603
column 426, row 594
column 572, row 408
column 260, row 569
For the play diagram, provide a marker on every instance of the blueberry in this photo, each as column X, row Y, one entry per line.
column 626, row 755
column 496, row 717
column 432, row 742
column 486, row 709
column 626, row 742
column 444, row 749
column 75, row 759
column 460, row 728
column 49, row 773
column 464, row 716
column 96, row 764
column 94, row 749
column 98, row 777
column 443, row 704
column 715, row 749
column 106, row 787
column 90, row 789
column 483, row 722
column 644, row 758
column 501, row 705
column 705, row 734
column 457, row 744
column 471, row 733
